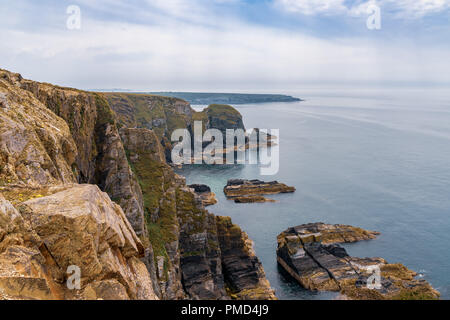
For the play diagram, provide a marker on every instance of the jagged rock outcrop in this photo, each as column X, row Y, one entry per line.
column 237, row 188
column 79, row 227
column 244, row 275
column 311, row 255
column 207, row 197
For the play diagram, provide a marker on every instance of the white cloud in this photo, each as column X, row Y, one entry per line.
column 401, row 8
column 217, row 52
column 312, row 7
column 417, row 8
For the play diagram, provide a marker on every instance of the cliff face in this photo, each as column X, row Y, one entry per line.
column 92, row 149
column 185, row 237
column 163, row 115
column 157, row 242
column 36, row 146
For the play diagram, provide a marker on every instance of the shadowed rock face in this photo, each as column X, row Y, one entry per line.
column 242, row 188
column 311, row 255
column 59, row 135
column 244, row 274
column 187, row 252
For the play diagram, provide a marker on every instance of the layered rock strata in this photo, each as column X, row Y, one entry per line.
column 311, row 255
column 244, row 274
column 242, row 188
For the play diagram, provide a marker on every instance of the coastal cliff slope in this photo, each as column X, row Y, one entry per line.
column 142, row 233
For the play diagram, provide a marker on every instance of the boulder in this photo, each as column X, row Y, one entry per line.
column 78, row 227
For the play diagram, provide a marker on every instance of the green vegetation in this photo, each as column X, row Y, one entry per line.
column 227, row 98
column 104, row 113
column 156, row 179
column 221, row 111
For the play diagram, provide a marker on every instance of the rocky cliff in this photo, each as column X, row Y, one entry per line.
column 163, row 115
column 147, row 237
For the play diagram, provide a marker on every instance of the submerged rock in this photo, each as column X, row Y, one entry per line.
column 252, row 199
column 311, row 255
column 241, row 188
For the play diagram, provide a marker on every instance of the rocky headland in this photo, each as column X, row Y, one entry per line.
column 84, row 186
column 163, row 115
column 248, row 191
column 311, row 255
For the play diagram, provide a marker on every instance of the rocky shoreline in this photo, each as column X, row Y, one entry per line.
column 311, row 255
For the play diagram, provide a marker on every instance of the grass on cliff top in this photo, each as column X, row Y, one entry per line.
column 104, row 112
column 221, row 110
column 145, row 108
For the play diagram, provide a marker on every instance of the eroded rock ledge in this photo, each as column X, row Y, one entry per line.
column 238, row 188
column 311, row 255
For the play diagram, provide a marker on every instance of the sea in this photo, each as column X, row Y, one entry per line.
column 377, row 158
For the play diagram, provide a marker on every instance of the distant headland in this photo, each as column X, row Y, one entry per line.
column 227, row 98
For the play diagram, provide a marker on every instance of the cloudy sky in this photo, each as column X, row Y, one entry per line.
column 223, row 45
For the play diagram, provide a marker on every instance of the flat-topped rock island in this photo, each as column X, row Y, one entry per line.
column 253, row 191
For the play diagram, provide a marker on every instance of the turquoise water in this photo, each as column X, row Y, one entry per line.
column 377, row 159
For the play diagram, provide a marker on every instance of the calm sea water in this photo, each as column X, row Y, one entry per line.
column 374, row 158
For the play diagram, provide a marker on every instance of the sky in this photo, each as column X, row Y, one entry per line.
column 226, row 45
